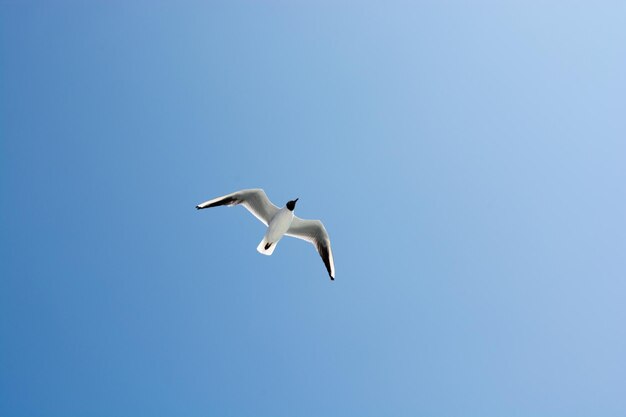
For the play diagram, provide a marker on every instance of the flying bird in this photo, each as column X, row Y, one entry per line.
column 279, row 222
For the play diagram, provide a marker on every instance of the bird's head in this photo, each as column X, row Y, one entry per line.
column 292, row 204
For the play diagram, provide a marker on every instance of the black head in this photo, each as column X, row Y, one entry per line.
column 292, row 204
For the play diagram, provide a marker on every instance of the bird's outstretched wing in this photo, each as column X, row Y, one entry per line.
column 313, row 231
column 254, row 200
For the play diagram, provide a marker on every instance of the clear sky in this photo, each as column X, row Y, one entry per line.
column 467, row 158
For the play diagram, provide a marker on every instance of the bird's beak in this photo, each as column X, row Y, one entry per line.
column 296, row 200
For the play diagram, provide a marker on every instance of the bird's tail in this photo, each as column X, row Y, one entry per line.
column 266, row 247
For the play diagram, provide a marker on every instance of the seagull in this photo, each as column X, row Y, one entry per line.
column 279, row 222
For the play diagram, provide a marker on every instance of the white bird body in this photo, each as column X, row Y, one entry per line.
column 276, row 230
column 279, row 222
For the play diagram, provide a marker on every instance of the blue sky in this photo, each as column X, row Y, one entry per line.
column 468, row 161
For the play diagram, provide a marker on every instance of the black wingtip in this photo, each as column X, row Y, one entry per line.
column 332, row 278
column 198, row 207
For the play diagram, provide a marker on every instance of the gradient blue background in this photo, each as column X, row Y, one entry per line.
column 468, row 162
